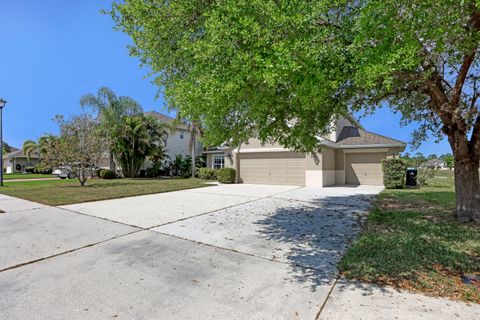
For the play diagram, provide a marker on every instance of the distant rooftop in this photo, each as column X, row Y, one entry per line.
column 20, row 154
column 167, row 119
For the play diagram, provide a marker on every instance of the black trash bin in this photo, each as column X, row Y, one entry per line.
column 411, row 177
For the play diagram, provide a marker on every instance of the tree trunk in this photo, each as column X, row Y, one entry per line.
column 193, row 155
column 112, row 162
column 467, row 188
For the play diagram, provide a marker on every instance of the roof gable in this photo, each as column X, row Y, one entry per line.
column 352, row 136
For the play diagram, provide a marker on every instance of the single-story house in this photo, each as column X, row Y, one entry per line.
column 436, row 164
column 350, row 156
column 17, row 161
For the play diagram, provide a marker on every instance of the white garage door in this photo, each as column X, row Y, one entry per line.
column 364, row 168
column 273, row 168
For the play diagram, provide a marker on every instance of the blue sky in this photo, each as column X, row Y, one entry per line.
column 54, row 51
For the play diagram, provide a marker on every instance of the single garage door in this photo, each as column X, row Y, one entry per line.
column 364, row 168
column 273, row 168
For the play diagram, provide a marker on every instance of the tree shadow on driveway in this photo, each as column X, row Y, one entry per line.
column 317, row 234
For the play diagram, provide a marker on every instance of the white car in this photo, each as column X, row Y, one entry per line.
column 64, row 173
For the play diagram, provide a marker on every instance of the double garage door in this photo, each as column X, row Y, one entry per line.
column 364, row 168
column 273, row 168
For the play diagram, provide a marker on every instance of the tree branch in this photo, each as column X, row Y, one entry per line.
column 467, row 60
column 462, row 75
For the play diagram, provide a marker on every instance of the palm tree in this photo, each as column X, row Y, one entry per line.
column 136, row 138
column 110, row 109
column 29, row 147
column 195, row 131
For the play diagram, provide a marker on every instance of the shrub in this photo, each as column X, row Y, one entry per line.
column 42, row 169
column 424, row 174
column 207, row 173
column 107, row 174
column 101, row 172
column 157, row 171
column 226, row 175
column 30, row 169
column 394, row 171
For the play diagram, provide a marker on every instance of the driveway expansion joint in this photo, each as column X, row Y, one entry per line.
column 236, row 251
column 328, row 297
column 67, row 251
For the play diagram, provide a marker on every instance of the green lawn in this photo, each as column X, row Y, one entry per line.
column 59, row 192
column 12, row 176
column 412, row 241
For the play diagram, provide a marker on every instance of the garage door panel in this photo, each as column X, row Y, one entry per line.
column 273, row 168
column 364, row 168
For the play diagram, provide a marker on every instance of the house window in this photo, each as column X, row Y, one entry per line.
column 181, row 135
column 218, row 162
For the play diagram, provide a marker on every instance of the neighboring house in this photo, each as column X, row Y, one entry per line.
column 178, row 140
column 350, row 156
column 436, row 164
column 16, row 161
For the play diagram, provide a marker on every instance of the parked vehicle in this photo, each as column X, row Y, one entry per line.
column 64, row 172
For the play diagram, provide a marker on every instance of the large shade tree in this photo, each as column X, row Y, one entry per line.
column 110, row 109
column 280, row 69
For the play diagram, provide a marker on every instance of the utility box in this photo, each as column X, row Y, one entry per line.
column 411, row 177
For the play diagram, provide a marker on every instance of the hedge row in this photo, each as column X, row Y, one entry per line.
column 207, row 173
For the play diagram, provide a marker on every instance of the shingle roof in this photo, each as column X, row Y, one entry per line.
column 20, row 154
column 167, row 119
column 351, row 136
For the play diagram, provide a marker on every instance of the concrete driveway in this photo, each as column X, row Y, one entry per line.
column 221, row 252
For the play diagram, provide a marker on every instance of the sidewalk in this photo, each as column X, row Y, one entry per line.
column 12, row 204
column 363, row 301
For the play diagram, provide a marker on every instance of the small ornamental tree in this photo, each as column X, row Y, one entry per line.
column 394, row 171
column 78, row 146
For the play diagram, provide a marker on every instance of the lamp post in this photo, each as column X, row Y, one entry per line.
column 2, row 104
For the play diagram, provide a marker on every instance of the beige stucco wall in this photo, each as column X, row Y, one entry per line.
column 313, row 170
column 320, row 168
column 254, row 143
column 328, row 167
column 339, row 167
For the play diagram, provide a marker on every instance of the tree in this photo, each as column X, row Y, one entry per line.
column 279, row 70
column 195, row 131
column 449, row 159
column 110, row 109
column 432, row 156
column 78, row 146
column 134, row 139
column 29, row 147
column 7, row 148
